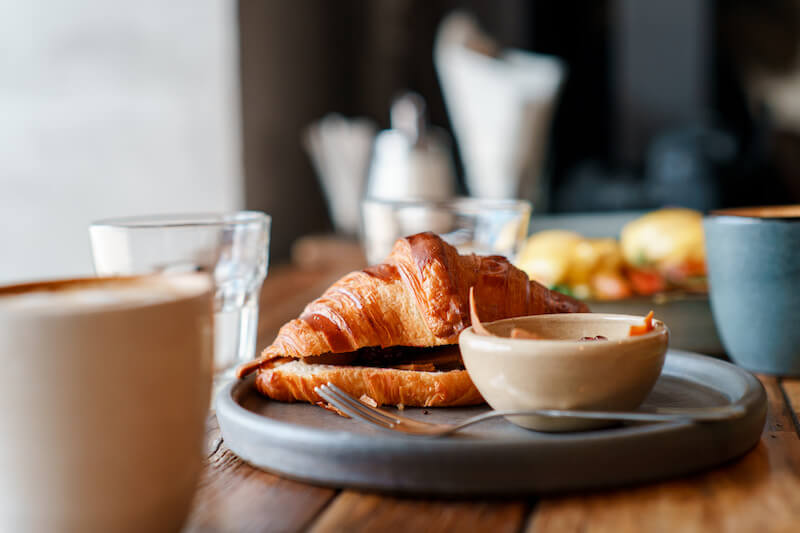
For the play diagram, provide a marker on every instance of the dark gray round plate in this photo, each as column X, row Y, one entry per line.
column 307, row 443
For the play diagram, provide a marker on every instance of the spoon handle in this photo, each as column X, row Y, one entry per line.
column 703, row 414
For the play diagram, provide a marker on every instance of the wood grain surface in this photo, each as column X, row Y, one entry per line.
column 360, row 512
column 759, row 492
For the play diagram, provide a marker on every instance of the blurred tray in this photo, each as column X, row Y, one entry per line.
column 688, row 316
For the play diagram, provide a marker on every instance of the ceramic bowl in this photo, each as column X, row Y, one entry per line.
column 563, row 372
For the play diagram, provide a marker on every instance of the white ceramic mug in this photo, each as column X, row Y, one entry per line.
column 104, row 391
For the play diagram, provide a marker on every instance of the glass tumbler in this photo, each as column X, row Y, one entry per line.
column 232, row 248
column 472, row 225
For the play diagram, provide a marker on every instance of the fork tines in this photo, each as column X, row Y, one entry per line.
column 355, row 408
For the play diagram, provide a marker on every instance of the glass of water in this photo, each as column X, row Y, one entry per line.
column 232, row 248
column 472, row 225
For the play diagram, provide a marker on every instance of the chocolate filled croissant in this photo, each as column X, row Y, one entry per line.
column 388, row 331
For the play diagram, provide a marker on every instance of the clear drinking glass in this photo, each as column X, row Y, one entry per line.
column 472, row 225
column 233, row 248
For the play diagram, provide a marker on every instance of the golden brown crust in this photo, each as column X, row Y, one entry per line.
column 295, row 381
column 418, row 297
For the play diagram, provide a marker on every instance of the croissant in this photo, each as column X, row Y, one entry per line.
column 418, row 299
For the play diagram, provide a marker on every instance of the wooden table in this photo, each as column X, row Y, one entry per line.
column 759, row 492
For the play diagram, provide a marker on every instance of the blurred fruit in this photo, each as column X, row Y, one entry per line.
column 665, row 239
column 658, row 251
column 546, row 256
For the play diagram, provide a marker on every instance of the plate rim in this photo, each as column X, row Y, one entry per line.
column 480, row 466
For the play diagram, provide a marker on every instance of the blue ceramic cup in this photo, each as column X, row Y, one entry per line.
column 753, row 257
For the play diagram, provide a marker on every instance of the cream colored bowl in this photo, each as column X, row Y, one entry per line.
column 562, row 372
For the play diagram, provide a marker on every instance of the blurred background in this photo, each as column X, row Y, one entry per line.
column 110, row 109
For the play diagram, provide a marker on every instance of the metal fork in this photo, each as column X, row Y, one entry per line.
column 394, row 422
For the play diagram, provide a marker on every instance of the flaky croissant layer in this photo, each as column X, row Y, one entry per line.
column 418, row 297
column 296, row 381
